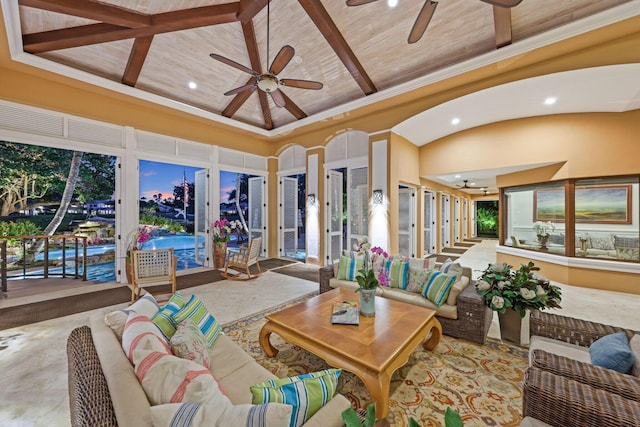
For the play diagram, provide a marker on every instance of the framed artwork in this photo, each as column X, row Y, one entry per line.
column 594, row 204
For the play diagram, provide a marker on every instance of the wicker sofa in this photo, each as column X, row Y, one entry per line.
column 561, row 391
column 469, row 319
column 104, row 390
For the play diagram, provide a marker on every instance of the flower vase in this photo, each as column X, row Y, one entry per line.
column 543, row 239
column 368, row 302
column 219, row 254
column 513, row 328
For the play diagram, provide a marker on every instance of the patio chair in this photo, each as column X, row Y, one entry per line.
column 241, row 259
column 153, row 268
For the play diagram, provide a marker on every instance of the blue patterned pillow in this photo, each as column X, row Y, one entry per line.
column 398, row 273
column 307, row 393
column 195, row 310
column 437, row 287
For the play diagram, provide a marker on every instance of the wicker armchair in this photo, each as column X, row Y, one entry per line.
column 153, row 268
column 564, row 392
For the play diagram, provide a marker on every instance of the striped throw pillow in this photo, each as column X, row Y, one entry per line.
column 398, row 272
column 163, row 318
column 202, row 415
column 195, row 310
column 348, row 268
column 141, row 336
column 307, row 393
column 437, row 287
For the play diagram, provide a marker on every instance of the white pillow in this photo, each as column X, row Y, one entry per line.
column 634, row 343
column 146, row 305
column 198, row 414
column 116, row 320
column 457, row 287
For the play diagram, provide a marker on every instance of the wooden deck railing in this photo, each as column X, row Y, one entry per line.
column 78, row 254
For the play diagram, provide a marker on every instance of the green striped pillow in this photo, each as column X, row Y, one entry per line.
column 437, row 287
column 307, row 393
column 348, row 268
column 195, row 310
column 398, row 272
column 163, row 318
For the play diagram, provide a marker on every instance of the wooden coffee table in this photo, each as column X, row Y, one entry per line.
column 372, row 350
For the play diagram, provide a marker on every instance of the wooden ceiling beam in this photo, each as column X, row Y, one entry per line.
column 331, row 33
column 237, row 101
column 92, row 10
column 502, row 24
column 292, row 107
column 136, row 60
column 250, row 8
column 102, row 33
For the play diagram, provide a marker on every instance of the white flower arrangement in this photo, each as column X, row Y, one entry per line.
column 543, row 228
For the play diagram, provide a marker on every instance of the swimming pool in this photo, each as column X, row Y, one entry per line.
column 183, row 246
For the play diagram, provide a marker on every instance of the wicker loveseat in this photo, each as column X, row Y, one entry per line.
column 469, row 319
column 104, row 390
column 561, row 391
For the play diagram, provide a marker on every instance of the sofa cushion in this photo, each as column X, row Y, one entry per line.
column 348, row 268
column 163, row 320
column 634, row 343
column 456, row 289
column 398, row 273
column 612, row 352
column 335, row 283
column 198, row 414
column 307, row 393
column 438, row 286
column 195, row 310
column 561, row 348
column 188, row 342
column 140, row 335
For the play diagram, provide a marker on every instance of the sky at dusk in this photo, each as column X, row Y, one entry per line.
column 157, row 177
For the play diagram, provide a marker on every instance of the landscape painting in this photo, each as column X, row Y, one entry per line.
column 605, row 205
column 598, row 205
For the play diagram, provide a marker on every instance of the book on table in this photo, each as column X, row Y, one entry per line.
column 345, row 313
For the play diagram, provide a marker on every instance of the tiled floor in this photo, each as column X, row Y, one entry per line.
column 33, row 357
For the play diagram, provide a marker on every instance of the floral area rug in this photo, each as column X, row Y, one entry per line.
column 482, row 383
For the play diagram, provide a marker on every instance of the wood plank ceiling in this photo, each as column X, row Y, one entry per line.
column 161, row 46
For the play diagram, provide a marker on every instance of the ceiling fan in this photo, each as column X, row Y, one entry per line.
column 465, row 185
column 426, row 13
column 269, row 82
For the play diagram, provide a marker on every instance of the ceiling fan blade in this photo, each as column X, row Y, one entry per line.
column 231, row 63
column 302, row 84
column 282, row 59
column 358, row 2
column 503, row 3
column 422, row 21
column 277, row 97
column 250, row 86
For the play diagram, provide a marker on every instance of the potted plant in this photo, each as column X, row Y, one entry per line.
column 369, row 276
column 514, row 293
column 352, row 419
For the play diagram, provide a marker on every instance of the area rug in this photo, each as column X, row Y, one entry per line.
column 482, row 383
column 301, row 271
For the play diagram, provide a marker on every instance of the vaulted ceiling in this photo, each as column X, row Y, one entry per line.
column 160, row 47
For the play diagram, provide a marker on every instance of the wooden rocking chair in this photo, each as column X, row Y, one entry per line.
column 152, row 268
column 241, row 259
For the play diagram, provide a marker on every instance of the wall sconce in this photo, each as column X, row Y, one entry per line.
column 377, row 197
column 311, row 199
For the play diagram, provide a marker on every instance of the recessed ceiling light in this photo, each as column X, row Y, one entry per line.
column 192, row 85
column 392, row 3
column 455, row 121
column 472, row 183
column 457, row 176
column 550, row 100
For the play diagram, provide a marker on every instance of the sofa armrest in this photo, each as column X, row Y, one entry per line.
column 473, row 313
column 562, row 402
column 568, row 329
column 89, row 398
column 609, row 380
column 324, row 275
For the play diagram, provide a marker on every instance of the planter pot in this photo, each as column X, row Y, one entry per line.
column 513, row 328
column 543, row 239
column 219, row 254
column 368, row 302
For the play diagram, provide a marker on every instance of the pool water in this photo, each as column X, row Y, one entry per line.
column 105, row 272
